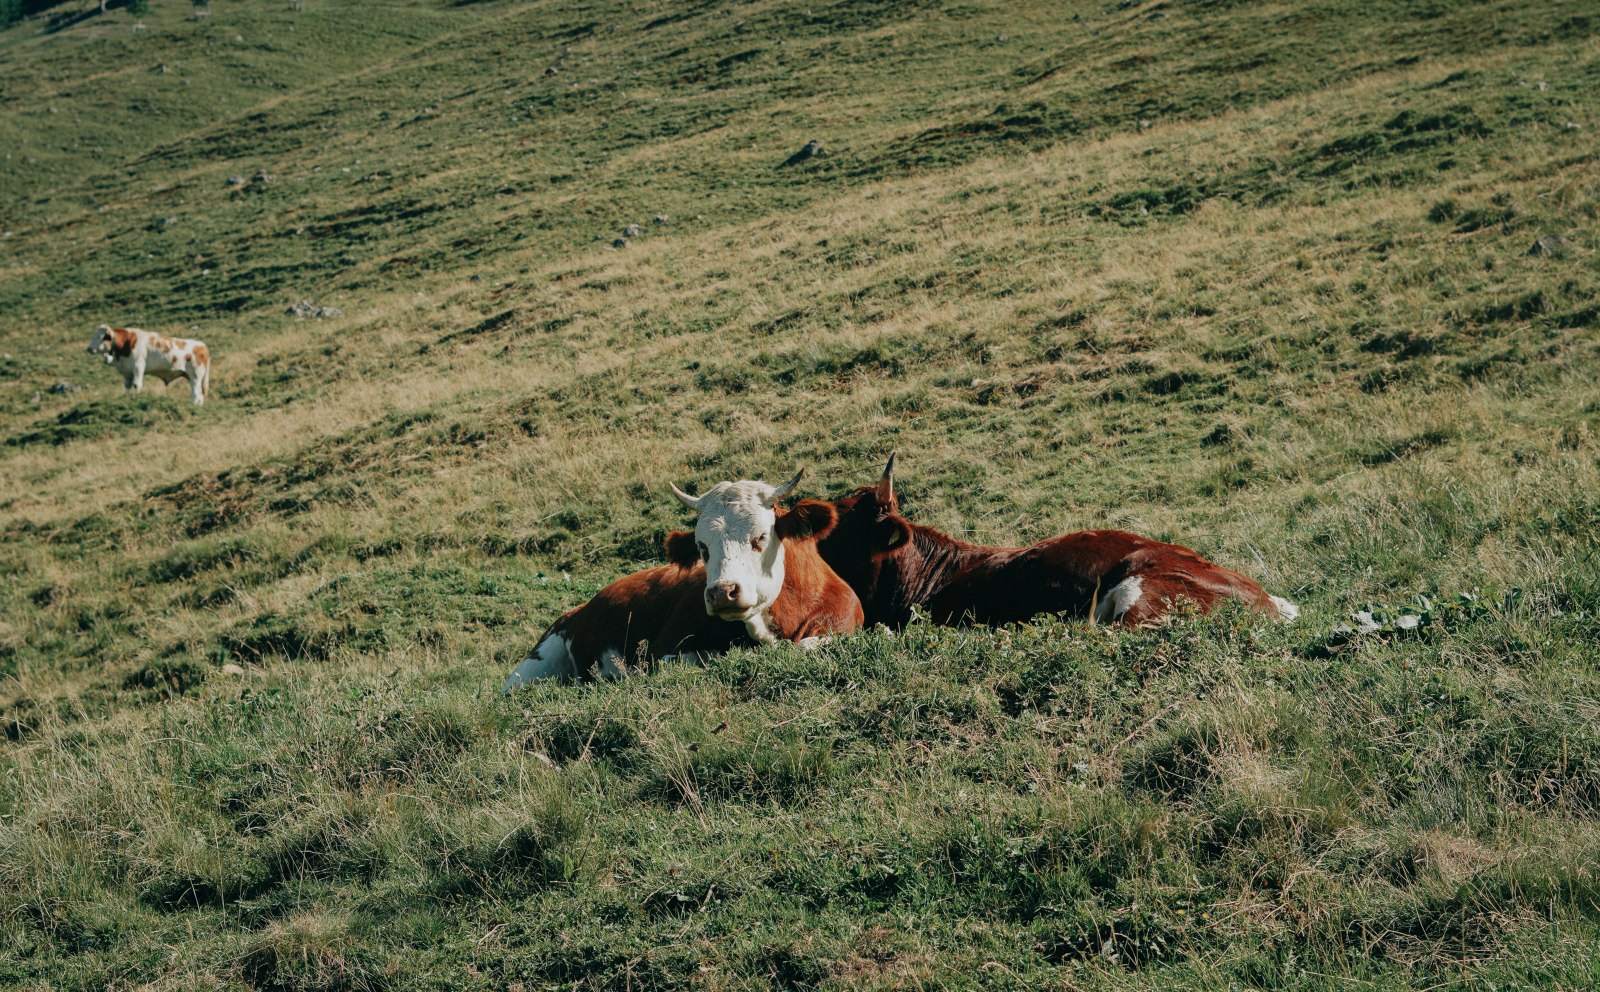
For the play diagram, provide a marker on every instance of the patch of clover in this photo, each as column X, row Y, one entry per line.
column 1423, row 614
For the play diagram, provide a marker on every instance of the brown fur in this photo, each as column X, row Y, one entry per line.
column 122, row 341
column 894, row 565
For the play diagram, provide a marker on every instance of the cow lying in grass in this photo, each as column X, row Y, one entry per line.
column 137, row 353
column 750, row 572
column 1111, row 576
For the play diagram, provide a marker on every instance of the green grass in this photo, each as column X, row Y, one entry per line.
column 1251, row 277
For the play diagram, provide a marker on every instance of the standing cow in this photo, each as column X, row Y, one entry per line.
column 749, row 573
column 1110, row 576
column 135, row 353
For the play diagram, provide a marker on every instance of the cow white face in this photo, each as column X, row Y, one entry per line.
column 737, row 539
column 101, row 343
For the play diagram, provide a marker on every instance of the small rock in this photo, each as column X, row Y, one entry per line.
column 812, row 149
column 305, row 308
column 476, row 278
column 62, row 388
column 261, row 178
column 235, row 180
column 1553, row 245
column 660, row 219
column 162, row 70
column 238, row 39
column 1541, row 87
column 1573, row 125
column 632, row 231
column 293, row 370
column 231, row 669
column 1001, row 37
column 168, row 221
column 620, row 243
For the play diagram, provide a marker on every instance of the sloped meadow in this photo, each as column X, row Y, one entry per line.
column 1254, row 279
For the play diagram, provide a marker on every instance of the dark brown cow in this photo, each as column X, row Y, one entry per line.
column 666, row 612
column 1112, row 576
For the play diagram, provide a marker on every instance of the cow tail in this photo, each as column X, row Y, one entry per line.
column 205, row 381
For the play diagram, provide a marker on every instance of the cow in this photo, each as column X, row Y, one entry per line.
column 749, row 573
column 1108, row 576
column 135, row 352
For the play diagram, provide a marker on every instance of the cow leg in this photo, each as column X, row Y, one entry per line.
column 138, row 375
column 689, row 657
column 611, row 665
column 196, row 387
column 1122, row 602
column 552, row 659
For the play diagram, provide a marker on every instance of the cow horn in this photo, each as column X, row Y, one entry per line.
column 692, row 502
column 886, row 484
column 786, row 488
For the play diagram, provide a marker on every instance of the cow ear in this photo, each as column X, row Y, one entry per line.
column 681, row 549
column 892, row 532
column 809, row 518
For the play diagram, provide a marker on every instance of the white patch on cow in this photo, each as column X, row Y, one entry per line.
column 1117, row 600
column 552, row 659
column 742, row 554
column 1287, row 611
column 757, row 628
column 164, row 358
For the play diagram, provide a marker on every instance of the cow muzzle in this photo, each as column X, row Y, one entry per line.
column 727, row 600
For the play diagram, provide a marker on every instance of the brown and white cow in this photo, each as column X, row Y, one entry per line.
column 761, row 581
column 135, row 353
column 1111, row 576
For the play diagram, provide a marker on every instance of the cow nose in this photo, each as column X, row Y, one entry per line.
column 723, row 594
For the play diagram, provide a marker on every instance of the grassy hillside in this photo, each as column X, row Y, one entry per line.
column 1252, row 277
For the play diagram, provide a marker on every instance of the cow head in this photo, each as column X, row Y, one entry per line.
column 108, row 341
column 739, row 536
column 869, row 529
